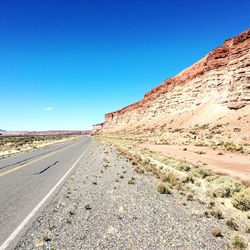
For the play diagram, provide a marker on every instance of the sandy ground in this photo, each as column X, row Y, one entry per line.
column 234, row 164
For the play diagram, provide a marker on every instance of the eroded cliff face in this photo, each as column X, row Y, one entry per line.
column 213, row 88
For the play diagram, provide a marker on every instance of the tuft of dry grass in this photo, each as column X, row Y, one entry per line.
column 163, row 189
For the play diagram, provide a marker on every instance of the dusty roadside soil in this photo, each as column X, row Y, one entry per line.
column 97, row 208
column 232, row 163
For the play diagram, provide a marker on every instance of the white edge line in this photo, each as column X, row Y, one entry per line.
column 39, row 205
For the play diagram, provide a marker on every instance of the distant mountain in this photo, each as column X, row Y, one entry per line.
column 48, row 132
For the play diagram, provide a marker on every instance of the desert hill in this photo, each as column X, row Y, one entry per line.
column 215, row 91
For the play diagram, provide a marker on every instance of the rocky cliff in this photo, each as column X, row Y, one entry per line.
column 213, row 88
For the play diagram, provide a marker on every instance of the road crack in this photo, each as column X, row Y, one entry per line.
column 45, row 169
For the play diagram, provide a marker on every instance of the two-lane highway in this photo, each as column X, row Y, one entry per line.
column 28, row 180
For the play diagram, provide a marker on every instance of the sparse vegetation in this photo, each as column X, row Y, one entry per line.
column 163, row 189
column 161, row 142
column 232, row 224
column 200, row 144
column 223, row 186
column 189, row 178
column 139, row 170
column 9, row 144
column 191, row 181
column 239, row 243
column 183, row 166
column 172, row 178
column 164, row 178
column 230, row 146
column 241, row 200
column 131, row 181
column 216, row 213
column 201, row 172
column 69, row 221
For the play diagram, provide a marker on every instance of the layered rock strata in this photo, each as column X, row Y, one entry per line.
column 213, row 87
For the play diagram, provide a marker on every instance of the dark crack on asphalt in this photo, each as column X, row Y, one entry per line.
column 48, row 167
column 23, row 161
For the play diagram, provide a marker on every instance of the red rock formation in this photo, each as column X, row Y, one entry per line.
column 220, row 79
column 97, row 128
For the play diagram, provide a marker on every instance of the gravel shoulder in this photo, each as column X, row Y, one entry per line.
column 98, row 209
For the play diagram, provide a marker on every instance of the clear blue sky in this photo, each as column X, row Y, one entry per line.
column 64, row 64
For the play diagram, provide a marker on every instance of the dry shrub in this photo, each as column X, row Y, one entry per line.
column 163, row 189
column 201, row 172
column 239, row 243
column 223, row 186
column 183, row 166
column 232, row 224
column 216, row 213
column 172, row 178
column 241, row 200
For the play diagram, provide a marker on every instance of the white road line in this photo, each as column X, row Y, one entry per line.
column 39, row 205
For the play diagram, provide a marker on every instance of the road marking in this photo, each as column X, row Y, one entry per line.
column 39, row 205
column 38, row 159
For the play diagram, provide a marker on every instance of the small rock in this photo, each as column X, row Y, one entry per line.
column 216, row 232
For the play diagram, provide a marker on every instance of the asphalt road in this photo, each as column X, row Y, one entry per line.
column 26, row 179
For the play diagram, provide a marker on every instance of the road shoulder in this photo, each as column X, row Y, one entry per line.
column 106, row 204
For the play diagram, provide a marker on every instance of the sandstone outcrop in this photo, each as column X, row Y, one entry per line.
column 213, row 88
